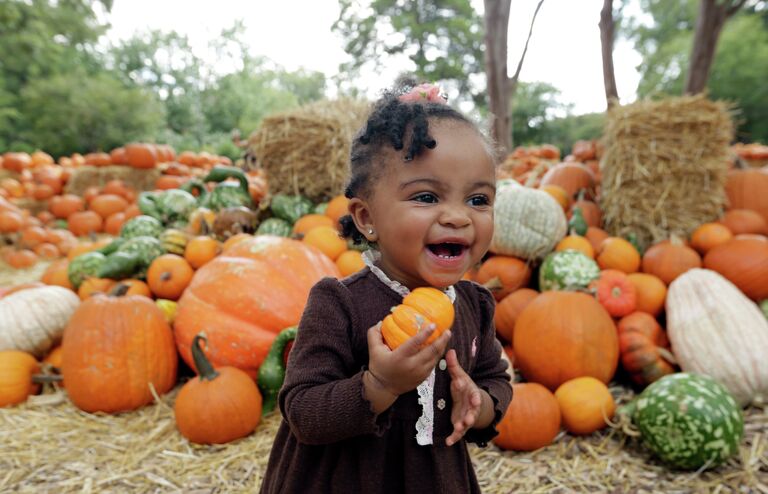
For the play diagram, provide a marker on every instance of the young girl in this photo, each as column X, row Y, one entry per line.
column 358, row 417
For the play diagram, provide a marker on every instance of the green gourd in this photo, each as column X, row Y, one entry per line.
column 577, row 224
column 272, row 370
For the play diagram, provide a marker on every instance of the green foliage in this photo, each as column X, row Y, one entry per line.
column 78, row 112
column 739, row 70
column 442, row 39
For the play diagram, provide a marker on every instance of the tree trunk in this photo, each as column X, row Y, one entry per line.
column 496, row 17
column 606, row 42
column 709, row 22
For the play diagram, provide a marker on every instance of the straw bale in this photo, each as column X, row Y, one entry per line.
column 10, row 276
column 87, row 176
column 665, row 166
column 306, row 151
column 48, row 445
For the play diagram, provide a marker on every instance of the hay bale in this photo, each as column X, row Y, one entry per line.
column 664, row 166
column 87, row 176
column 306, row 151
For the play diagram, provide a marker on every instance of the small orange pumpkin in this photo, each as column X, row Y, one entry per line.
column 219, row 406
column 420, row 308
column 509, row 309
column 169, row 275
column 617, row 253
column 350, row 262
column 585, row 405
column 651, row 293
column 503, row 275
column 531, row 421
column 16, row 370
column 668, row 260
column 200, row 250
column 615, row 292
column 709, row 235
column 576, row 242
column 327, row 240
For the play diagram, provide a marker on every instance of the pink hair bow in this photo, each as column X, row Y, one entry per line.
column 427, row 92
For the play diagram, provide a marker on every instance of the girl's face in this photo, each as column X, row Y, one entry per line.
column 432, row 217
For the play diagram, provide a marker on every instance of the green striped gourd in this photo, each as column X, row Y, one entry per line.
column 528, row 223
column 174, row 241
column 567, row 270
column 141, row 226
column 716, row 330
column 688, row 420
column 146, row 248
column 275, row 226
column 290, row 208
column 84, row 265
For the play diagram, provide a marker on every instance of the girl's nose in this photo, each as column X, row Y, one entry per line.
column 455, row 216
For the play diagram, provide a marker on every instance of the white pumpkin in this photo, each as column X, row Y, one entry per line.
column 528, row 223
column 717, row 331
column 33, row 320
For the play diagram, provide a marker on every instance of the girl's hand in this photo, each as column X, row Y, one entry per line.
column 471, row 405
column 403, row 369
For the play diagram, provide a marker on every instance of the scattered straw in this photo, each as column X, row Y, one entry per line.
column 48, row 445
column 87, row 176
column 10, row 276
column 664, row 166
column 306, row 151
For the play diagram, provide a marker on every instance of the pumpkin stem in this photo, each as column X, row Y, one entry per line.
column 494, row 284
column 46, row 378
column 205, row 228
column 120, row 290
column 204, row 368
column 166, row 276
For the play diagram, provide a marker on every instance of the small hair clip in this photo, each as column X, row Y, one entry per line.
column 431, row 93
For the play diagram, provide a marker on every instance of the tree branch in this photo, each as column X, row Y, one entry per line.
column 513, row 79
column 735, row 7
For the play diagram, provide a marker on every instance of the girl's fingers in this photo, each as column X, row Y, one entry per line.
column 454, row 368
column 374, row 336
column 414, row 343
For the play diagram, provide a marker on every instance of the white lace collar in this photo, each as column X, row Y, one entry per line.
column 370, row 257
column 425, row 423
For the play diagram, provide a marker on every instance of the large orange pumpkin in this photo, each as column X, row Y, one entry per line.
column 744, row 262
column 572, row 177
column 746, row 190
column 114, row 348
column 563, row 335
column 532, row 420
column 243, row 298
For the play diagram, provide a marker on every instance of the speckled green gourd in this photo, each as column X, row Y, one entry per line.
column 689, row 421
column 141, row 226
column 567, row 270
column 84, row 265
column 146, row 248
column 275, row 226
column 290, row 208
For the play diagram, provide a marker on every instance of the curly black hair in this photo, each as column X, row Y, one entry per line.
column 395, row 123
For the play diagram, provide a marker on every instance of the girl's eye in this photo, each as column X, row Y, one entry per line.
column 425, row 197
column 481, row 200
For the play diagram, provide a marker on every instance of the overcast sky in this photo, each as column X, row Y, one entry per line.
column 564, row 49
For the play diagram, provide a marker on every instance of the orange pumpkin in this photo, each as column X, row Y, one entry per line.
column 16, row 162
column 84, row 223
column 572, row 177
column 615, row 292
column 310, row 221
column 562, row 335
column 617, row 253
column 92, row 285
column 244, row 298
column 503, row 274
column 327, row 240
column 576, row 242
column 668, row 260
column 16, row 370
column 744, row 221
column 201, row 250
column 114, row 223
column 531, row 421
column 744, row 262
column 709, row 235
column 350, row 262
column 134, row 287
column 219, row 406
column 56, row 274
column 651, row 293
column 141, row 155
column 65, row 205
column 20, row 259
column 586, row 405
column 746, row 190
column 590, row 211
column 118, row 156
column 135, row 350
column 106, row 205
column 559, row 194
column 641, row 340
column 169, row 275
column 420, row 308
column 509, row 309
column 10, row 222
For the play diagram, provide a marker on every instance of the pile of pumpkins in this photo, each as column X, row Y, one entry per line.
column 215, row 272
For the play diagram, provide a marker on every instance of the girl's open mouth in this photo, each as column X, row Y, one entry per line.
column 447, row 251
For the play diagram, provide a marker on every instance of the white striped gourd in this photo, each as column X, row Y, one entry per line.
column 717, row 331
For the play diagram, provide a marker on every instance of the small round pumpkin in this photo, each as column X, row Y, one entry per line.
column 617, row 253
column 744, row 262
column 16, row 370
column 532, row 419
column 310, row 221
column 576, row 242
column 651, row 293
column 200, row 250
column 338, row 206
column 503, row 275
column 92, row 285
column 509, row 309
column 420, row 308
column 169, row 275
column 585, row 405
column 140, row 155
column 84, row 223
column 709, row 235
column 56, row 274
column 350, row 262
column 740, row 221
column 668, row 260
column 615, row 292
column 327, row 239
column 642, row 343
column 218, row 406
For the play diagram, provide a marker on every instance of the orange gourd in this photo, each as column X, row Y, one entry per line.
column 244, row 297
column 218, row 406
column 617, row 253
column 337, row 207
column 509, row 309
column 201, row 250
column 576, row 242
column 16, row 370
column 114, row 348
column 709, row 235
column 56, row 274
column 503, row 275
column 743, row 262
column 420, row 308
column 668, row 260
column 350, row 262
column 615, row 292
column 169, row 275
column 310, row 221
column 561, row 335
column 531, row 421
column 651, row 293
column 327, row 239
column 586, row 405
column 642, row 343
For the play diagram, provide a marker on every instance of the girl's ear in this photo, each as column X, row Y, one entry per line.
column 361, row 215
